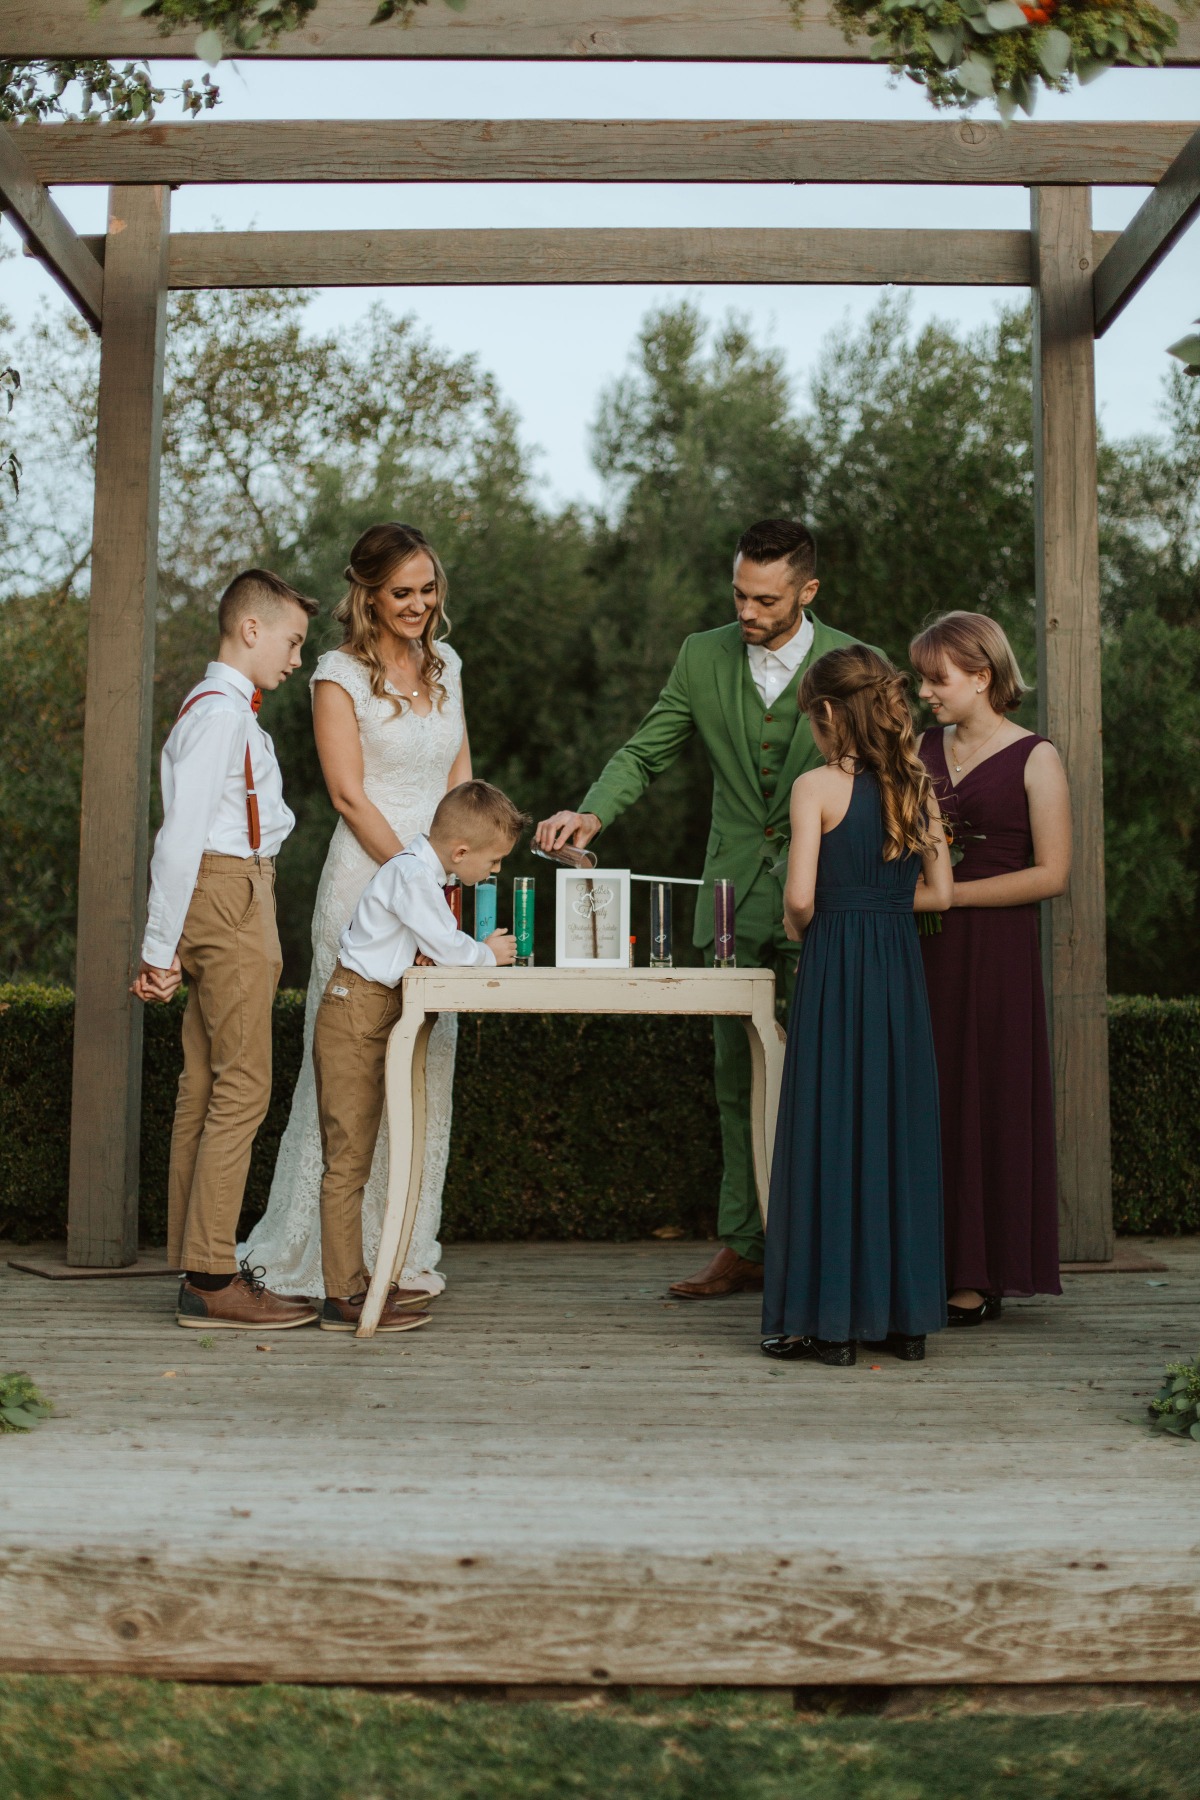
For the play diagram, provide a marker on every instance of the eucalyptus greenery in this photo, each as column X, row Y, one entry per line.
column 1188, row 351
column 87, row 88
column 226, row 25
column 10, row 463
column 1177, row 1406
column 963, row 51
column 42, row 89
column 21, row 1405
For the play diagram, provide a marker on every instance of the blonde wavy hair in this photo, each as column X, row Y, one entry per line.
column 378, row 554
column 861, row 705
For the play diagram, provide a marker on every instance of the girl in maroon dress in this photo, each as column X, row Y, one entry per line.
column 1004, row 796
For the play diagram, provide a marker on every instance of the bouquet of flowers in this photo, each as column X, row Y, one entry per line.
column 963, row 51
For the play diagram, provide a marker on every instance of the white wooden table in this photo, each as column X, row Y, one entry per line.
column 748, row 994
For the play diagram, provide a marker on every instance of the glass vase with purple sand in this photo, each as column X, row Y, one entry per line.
column 724, row 925
column 661, row 938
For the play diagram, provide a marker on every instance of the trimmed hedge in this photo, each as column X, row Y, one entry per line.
column 1154, row 1061
column 564, row 1127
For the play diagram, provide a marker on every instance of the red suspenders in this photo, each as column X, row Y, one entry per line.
column 251, row 796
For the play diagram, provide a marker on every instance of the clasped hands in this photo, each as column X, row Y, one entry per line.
column 157, row 984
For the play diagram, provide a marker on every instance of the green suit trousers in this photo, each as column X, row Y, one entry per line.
column 761, row 944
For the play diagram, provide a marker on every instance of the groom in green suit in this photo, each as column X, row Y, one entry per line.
column 736, row 686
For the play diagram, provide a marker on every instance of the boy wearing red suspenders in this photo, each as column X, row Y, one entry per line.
column 211, row 918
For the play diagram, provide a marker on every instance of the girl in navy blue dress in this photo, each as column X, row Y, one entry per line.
column 854, row 1226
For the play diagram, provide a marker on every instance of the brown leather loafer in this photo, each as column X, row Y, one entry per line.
column 247, row 1304
column 727, row 1273
column 345, row 1315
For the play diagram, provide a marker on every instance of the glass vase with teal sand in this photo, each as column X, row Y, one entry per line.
column 485, row 907
column 523, row 893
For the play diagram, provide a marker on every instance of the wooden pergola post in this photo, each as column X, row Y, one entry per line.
column 107, row 1077
column 1067, row 553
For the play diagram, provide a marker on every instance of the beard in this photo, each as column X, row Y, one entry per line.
column 778, row 628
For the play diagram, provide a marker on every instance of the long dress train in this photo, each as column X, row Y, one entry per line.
column 407, row 758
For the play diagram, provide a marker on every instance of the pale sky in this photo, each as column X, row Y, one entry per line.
column 554, row 349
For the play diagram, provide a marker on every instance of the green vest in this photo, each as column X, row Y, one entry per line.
column 711, row 692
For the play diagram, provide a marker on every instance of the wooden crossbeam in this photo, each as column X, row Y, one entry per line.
column 624, row 150
column 1151, row 232
column 46, row 233
column 595, row 30
column 250, row 259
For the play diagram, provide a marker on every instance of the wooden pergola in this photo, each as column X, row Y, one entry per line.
column 1080, row 281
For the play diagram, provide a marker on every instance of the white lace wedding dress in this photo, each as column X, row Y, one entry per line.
column 407, row 758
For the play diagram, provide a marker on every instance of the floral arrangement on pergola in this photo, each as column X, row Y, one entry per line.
column 959, row 51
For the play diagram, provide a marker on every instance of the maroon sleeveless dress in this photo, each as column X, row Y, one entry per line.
column 984, row 975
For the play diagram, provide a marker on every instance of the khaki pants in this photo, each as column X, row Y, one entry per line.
column 354, row 1021
column 231, row 958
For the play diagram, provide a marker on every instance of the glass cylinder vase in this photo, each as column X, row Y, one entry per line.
column 523, row 919
column 485, row 907
column 724, row 925
column 454, row 897
column 661, row 939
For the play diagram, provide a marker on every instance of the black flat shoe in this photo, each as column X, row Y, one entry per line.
column 990, row 1307
column 810, row 1349
column 902, row 1347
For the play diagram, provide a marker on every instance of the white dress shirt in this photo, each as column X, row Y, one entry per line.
column 773, row 669
column 204, row 800
column 403, row 909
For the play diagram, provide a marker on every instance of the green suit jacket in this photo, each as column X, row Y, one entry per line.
column 705, row 693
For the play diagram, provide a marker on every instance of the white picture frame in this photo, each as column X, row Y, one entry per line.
column 591, row 919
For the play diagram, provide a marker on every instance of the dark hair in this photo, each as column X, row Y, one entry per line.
column 781, row 540
column 379, row 551
column 861, row 704
column 258, row 590
column 476, row 808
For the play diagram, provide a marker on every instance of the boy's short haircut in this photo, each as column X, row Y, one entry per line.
column 257, row 592
column 479, row 812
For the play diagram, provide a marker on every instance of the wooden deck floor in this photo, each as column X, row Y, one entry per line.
column 565, row 1479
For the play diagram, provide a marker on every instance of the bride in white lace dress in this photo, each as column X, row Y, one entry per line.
column 392, row 739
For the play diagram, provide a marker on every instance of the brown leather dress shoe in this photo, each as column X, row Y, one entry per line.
column 345, row 1315
column 247, row 1304
column 727, row 1273
column 398, row 1296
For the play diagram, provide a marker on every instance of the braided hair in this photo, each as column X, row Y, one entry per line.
column 861, row 704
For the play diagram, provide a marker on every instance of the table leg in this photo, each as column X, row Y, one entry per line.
column 405, row 1090
column 767, row 1043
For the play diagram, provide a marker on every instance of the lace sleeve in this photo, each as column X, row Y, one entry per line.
column 452, row 663
column 348, row 673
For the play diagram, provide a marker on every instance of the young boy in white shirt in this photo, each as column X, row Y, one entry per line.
column 401, row 918
column 211, row 917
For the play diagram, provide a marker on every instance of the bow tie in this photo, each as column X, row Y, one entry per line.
column 256, row 700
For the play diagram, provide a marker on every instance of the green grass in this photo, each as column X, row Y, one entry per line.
column 66, row 1739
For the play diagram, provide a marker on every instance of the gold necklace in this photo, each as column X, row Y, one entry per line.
column 960, row 766
column 415, row 692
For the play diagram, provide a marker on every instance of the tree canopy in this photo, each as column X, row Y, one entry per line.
column 909, row 453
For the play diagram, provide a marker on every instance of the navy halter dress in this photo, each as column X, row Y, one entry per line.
column 854, row 1226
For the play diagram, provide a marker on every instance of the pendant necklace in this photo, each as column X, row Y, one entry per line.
column 415, row 692
column 959, row 766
